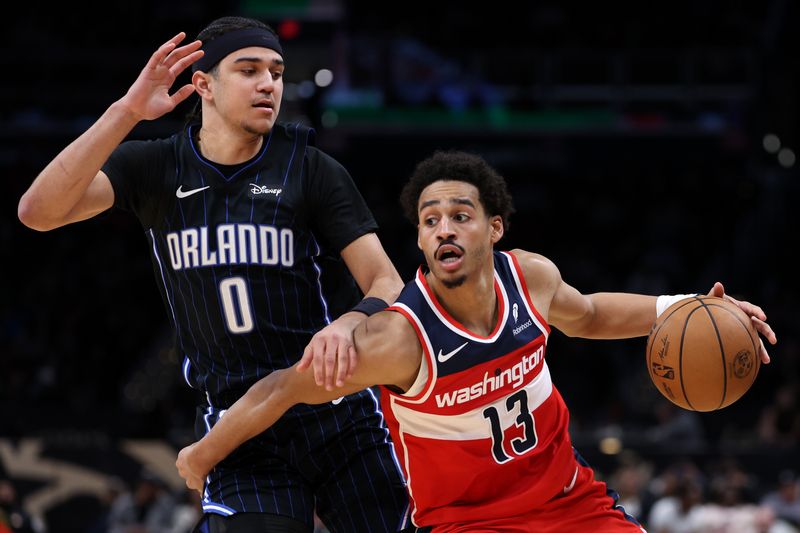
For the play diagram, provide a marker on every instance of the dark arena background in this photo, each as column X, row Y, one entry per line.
column 650, row 147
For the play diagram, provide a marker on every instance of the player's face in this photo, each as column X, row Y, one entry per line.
column 455, row 234
column 249, row 87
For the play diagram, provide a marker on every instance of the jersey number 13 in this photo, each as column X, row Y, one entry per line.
column 516, row 403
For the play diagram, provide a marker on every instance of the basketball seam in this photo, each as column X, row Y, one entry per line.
column 653, row 334
column 749, row 334
column 721, row 351
column 680, row 359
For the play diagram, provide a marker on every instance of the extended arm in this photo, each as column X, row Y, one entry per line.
column 389, row 354
column 72, row 187
column 607, row 315
column 333, row 346
column 602, row 315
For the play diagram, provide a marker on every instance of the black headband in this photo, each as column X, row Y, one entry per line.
column 234, row 40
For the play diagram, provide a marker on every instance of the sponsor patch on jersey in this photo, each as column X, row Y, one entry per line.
column 521, row 327
column 263, row 191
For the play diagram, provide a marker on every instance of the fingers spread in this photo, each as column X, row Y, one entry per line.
column 763, row 353
column 764, row 329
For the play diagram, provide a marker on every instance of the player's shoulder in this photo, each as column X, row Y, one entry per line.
column 532, row 261
column 539, row 271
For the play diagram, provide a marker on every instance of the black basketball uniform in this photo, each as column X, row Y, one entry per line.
column 247, row 260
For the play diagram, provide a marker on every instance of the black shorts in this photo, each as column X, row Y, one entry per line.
column 335, row 459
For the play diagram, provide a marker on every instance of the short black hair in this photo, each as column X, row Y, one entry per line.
column 453, row 165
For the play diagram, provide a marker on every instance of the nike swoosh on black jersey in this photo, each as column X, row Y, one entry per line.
column 180, row 193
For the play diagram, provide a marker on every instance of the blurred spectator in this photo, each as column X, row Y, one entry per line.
column 676, row 428
column 785, row 500
column 13, row 518
column 115, row 488
column 780, row 421
column 186, row 514
column 677, row 512
column 148, row 509
column 713, row 518
column 766, row 522
column 729, row 484
column 630, row 480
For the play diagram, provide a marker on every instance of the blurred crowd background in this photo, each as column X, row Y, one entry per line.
column 650, row 147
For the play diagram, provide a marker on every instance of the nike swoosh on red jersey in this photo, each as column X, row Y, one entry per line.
column 569, row 487
column 442, row 357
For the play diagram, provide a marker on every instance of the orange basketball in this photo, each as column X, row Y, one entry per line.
column 702, row 353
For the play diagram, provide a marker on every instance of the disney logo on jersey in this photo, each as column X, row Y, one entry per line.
column 260, row 191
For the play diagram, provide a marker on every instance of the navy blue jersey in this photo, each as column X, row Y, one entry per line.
column 246, row 256
column 247, row 259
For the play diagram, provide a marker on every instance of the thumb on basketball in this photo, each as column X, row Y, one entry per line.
column 717, row 290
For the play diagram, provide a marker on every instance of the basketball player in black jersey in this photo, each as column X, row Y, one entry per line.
column 260, row 243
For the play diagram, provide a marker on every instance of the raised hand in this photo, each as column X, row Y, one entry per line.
column 148, row 98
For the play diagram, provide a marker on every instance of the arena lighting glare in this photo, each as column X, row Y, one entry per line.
column 786, row 157
column 771, row 143
column 323, row 77
column 610, row 445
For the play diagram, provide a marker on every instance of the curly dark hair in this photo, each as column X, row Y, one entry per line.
column 459, row 166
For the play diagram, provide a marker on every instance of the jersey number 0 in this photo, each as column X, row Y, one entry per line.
column 236, row 305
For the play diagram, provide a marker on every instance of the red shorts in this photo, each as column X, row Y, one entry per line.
column 584, row 507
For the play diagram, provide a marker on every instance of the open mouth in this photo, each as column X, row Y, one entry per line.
column 264, row 104
column 449, row 253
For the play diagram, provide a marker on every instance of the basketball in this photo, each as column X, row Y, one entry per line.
column 702, row 353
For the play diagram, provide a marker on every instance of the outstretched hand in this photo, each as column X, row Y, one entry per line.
column 757, row 317
column 332, row 352
column 148, row 98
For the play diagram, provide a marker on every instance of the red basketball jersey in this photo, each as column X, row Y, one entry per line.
column 482, row 433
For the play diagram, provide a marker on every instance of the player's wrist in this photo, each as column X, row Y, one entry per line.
column 370, row 305
column 124, row 112
column 666, row 300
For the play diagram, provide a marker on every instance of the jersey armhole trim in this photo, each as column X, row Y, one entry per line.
column 522, row 286
column 430, row 379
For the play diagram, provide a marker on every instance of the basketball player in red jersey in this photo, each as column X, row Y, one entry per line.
column 479, row 427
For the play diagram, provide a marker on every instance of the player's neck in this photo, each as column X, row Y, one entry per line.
column 473, row 304
column 225, row 147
